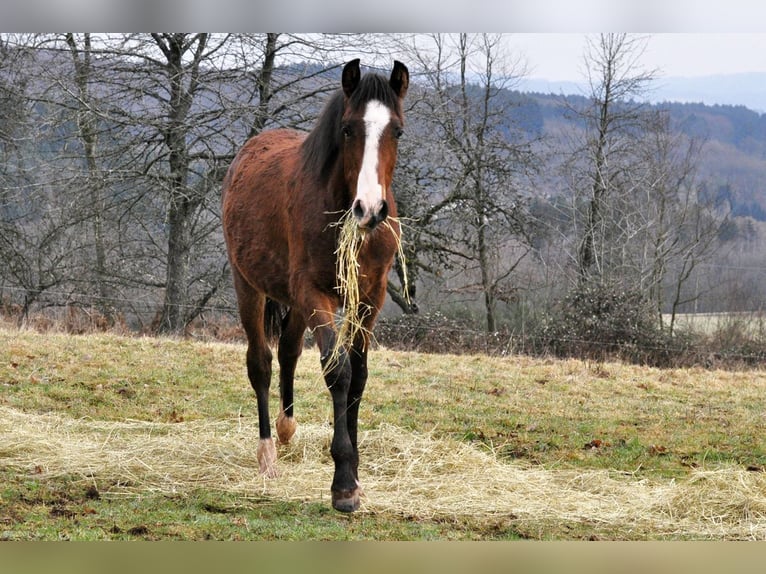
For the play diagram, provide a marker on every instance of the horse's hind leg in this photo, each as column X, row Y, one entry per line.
column 290, row 349
column 251, row 310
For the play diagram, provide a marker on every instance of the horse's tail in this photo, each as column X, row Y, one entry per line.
column 273, row 317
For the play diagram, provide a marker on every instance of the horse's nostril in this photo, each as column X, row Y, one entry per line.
column 383, row 211
column 357, row 210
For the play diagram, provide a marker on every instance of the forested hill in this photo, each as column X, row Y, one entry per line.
column 732, row 167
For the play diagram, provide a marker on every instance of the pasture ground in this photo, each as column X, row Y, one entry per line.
column 112, row 437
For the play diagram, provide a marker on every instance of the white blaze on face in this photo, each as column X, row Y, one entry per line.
column 368, row 189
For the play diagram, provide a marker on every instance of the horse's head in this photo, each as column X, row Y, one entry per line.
column 371, row 125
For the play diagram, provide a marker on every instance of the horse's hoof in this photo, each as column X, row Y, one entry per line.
column 285, row 428
column 346, row 500
column 267, row 458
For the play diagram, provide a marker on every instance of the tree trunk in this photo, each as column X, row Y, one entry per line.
column 264, row 85
column 183, row 199
column 486, row 278
column 588, row 248
column 86, row 123
column 173, row 317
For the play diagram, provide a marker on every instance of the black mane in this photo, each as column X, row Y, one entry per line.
column 374, row 87
column 320, row 148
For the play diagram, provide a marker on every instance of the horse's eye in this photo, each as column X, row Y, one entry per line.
column 346, row 131
column 398, row 132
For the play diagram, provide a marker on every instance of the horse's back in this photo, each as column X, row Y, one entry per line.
column 254, row 208
column 263, row 164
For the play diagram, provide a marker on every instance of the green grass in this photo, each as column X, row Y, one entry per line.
column 63, row 510
column 560, row 416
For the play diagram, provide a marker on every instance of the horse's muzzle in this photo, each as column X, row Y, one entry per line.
column 369, row 218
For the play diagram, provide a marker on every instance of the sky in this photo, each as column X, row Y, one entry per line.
column 559, row 56
column 688, row 37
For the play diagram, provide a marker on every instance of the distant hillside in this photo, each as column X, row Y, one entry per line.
column 733, row 162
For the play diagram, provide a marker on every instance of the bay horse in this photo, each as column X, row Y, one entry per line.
column 283, row 197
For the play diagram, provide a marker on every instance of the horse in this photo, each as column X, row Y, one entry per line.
column 282, row 200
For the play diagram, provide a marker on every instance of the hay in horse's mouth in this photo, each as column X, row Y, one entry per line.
column 351, row 239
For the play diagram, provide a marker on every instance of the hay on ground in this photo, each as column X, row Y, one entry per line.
column 405, row 473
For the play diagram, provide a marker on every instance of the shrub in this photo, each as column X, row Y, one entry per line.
column 738, row 339
column 598, row 321
column 436, row 333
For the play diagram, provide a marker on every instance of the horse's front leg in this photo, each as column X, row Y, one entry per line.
column 358, row 360
column 337, row 370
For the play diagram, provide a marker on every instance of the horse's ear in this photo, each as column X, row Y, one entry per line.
column 351, row 77
column 400, row 79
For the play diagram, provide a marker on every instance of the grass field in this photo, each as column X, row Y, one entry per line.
column 708, row 323
column 110, row 437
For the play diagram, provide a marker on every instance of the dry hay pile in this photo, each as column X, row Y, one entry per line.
column 409, row 474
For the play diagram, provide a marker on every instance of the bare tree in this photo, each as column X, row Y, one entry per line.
column 677, row 227
column 472, row 166
column 39, row 236
column 81, row 50
column 639, row 222
column 602, row 166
